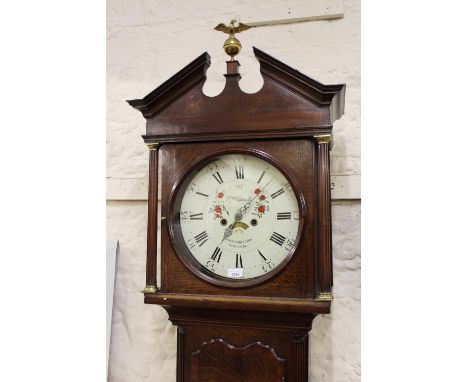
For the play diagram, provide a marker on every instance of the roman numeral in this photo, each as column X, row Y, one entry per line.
column 216, row 256
column 217, row 176
column 239, row 261
column 283, row 216
column 261, row 177
column 202, row 194
column 198, row 216
column 261, row 254
column 201, row 238
column 277, row 238
column 277, row 193
column 240, row 172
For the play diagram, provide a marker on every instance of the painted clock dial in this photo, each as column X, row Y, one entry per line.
column 237, row 217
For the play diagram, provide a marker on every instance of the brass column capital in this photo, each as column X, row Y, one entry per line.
column 321, row 139
column 153, row 146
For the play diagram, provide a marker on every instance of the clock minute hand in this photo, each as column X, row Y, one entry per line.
column 246, row 207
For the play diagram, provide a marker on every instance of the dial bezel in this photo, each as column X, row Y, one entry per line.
column 175, row 234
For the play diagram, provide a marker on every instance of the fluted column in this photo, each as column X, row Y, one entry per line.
column 300, row 358
column 180, row 373
column 324, row 237
column 152, row 236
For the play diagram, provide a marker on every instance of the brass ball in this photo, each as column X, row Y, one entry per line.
column 232, row 46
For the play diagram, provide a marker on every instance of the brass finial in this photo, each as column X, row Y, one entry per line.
column 232, row 45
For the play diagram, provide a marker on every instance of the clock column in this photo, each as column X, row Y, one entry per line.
column 324, row 237
column 152, row 235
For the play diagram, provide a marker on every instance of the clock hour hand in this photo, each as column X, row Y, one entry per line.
column 228, row 231
column 237, row 222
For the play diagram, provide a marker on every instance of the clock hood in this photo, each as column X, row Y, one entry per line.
column 290, row 104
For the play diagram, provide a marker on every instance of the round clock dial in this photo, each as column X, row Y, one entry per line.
column 237, row 217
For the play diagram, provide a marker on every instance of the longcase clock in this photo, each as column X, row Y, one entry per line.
column 246, row 260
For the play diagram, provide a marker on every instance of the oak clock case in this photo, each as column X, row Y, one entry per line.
column 181, row 273
column 237, row 217
column 244, row 269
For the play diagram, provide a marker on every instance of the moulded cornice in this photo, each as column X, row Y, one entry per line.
column 173, row 88
column 319, row 94
column 324, row 96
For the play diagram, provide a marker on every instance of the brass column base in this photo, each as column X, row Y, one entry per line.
column 149, row 289
column 324, row 296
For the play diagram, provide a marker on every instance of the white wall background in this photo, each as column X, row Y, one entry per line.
column 149, row 41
